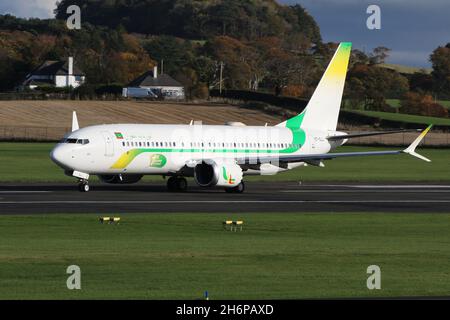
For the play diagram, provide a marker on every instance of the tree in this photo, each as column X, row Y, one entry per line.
column 379, row 55
column 372, row 85
column 440, row 59
column 423, row 105
column 176, row 53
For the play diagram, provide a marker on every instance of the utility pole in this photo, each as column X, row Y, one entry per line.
column 221, row 77
column 162, row 66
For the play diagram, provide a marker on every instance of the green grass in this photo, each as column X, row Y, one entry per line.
column 405, row 69
column 395, row 103
column 29, row 162
column 179, row 256
column 422, row 120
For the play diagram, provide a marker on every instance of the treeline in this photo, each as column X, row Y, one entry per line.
column 199, row 19
column 106, row 56
column 258, row 42
column 370, row 84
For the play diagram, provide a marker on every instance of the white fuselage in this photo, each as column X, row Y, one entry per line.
column 167, row 149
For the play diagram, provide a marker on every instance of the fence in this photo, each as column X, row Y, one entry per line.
column 433, row 139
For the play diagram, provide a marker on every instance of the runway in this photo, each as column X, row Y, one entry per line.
column 259, row 197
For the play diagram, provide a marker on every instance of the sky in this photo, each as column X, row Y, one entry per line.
column 28, row 8
column 412, row 29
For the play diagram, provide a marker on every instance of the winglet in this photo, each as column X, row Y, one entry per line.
column 75, row 125
column 411, row 150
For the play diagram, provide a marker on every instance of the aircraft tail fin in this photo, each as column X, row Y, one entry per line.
column 322, row 111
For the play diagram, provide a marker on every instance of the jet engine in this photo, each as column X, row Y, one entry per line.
column 121, row 178
column 212, row 173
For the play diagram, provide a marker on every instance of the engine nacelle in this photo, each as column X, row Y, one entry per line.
column 121, row 178
column 217, row 174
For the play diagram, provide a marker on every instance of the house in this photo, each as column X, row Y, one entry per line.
column 151, row 84
column 56, row 74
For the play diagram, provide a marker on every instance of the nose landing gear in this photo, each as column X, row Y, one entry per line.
column 83, row 186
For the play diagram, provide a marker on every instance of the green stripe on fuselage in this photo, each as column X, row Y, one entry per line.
column 293, row 124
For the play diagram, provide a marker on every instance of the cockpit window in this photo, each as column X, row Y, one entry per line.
column 75, row 141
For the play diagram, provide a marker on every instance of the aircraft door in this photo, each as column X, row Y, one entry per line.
column 109, row 143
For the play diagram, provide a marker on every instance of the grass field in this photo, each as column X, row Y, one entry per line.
column 405, row 117
column 179, row 256
column 395, row 103
column 30, row 162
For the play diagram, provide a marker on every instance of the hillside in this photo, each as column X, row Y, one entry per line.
column 198, row 19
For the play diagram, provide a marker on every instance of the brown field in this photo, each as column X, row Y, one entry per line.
column 51, row 120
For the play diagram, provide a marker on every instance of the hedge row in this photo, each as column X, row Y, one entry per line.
column 246, row 96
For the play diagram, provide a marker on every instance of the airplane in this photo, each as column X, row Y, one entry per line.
column 214, row 155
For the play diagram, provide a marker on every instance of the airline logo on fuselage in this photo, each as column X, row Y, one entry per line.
column 158, row 161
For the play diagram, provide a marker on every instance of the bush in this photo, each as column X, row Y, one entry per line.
column 52, row 89
column 423, row 105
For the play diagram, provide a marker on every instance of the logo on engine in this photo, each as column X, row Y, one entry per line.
column 226, row 177
column 158, row 161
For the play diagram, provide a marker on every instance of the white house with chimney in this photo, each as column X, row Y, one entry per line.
column 154, row 85
column 58, row 74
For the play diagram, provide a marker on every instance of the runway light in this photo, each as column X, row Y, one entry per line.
column 233, row 225
column 110, row 220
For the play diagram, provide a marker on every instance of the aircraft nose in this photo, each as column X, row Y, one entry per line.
column 57, row 156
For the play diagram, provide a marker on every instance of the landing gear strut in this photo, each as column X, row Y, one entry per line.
column 177, row 184
column 240, row 188
column 83, row 186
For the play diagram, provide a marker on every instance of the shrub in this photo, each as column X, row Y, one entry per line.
column 422, row 104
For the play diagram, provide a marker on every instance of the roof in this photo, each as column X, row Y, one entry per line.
column 147, row 80
column 54, row 68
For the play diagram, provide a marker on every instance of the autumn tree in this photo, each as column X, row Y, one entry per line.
column 423, row 105
column 440, row 59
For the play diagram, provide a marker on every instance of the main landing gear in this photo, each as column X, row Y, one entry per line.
column 240, row 188
column 177, row 184
column 83, row 186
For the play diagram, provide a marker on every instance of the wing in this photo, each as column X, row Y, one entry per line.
column 411, row 150
column 367, row 134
